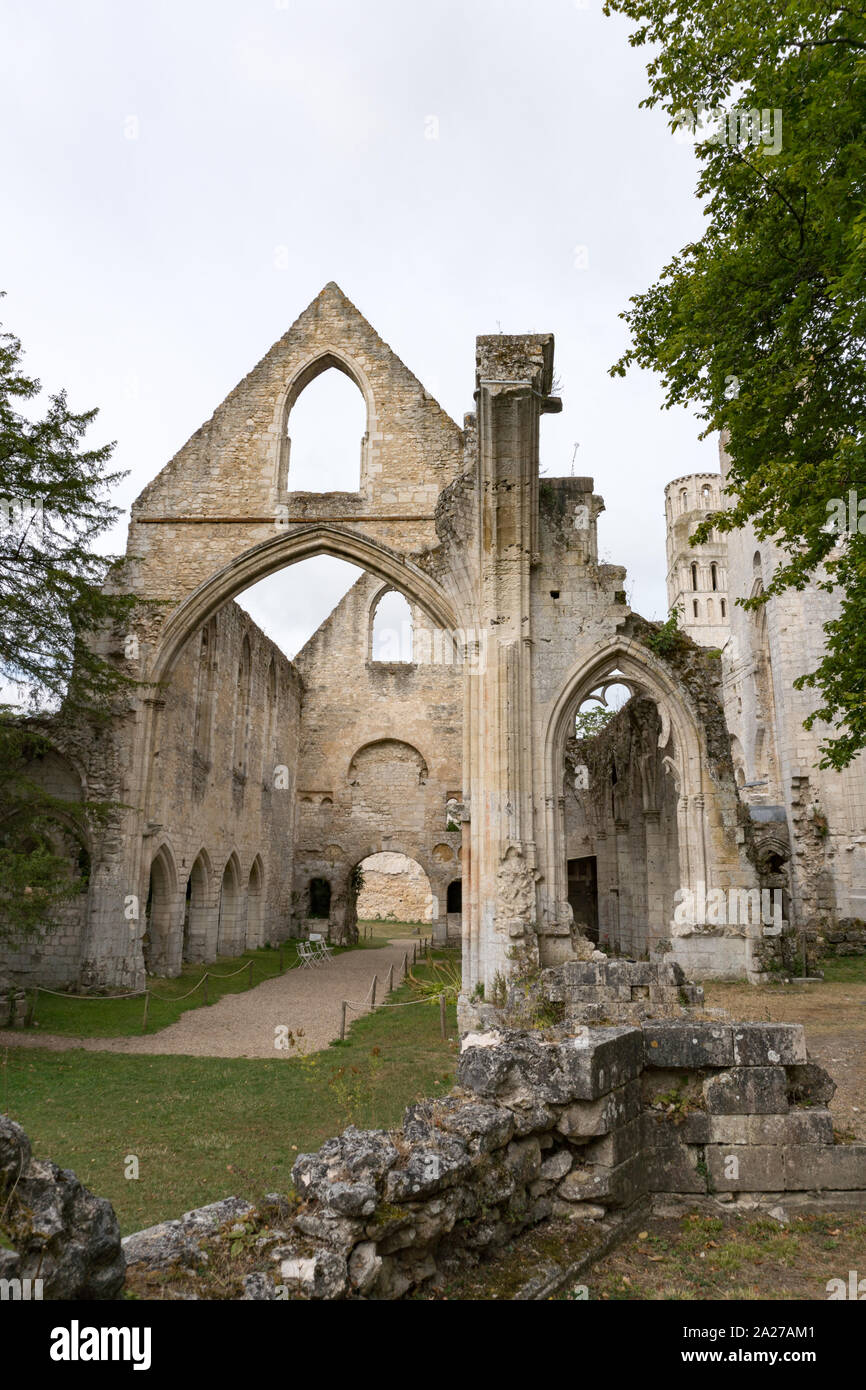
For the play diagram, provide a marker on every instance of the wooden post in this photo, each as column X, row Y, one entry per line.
column 442, row 1015
column 250, row 980
column 343, row 1024
column 390, row 980
column 375, row 982
column 204, row 982
column 144, row 1018
column 414, row 952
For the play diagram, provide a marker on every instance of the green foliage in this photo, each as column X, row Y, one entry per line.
column 43, row 856
column 589, row 722
column 760, row 324
column 668, row 636
column 52, row 594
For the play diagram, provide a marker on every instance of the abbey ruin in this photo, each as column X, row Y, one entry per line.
column 248, row 787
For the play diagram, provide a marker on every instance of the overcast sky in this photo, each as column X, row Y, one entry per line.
column 181, row 178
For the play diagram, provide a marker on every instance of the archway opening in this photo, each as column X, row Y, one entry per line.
column 156, row 941
column 327, row 433
column 229, row 911
column 395, row 890
column 255, row 906
column 620, row 843
column 198, row 912
column 391, row 636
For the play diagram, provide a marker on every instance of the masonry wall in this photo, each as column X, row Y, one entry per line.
column 380, row 757
column 823, row 811
column 221, row 803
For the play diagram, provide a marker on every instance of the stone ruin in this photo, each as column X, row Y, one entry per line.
column 655, row 1110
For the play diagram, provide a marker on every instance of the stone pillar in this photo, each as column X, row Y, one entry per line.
column 513, row 381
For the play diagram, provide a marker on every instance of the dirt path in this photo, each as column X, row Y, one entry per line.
column 305, row 1002
column 834, row 1016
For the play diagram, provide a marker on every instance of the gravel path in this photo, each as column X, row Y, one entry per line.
column 307, row 1002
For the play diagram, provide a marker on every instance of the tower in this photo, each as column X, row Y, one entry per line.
column 697, row 576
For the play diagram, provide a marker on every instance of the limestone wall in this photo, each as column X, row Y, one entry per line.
column 380, row 755
column 395, row 889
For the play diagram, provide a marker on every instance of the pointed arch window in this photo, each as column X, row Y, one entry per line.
column 392, row 629
column 242, row 710
column 326, row 432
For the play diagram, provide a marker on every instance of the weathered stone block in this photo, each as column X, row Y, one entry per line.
column 673, row 1168
column 838, row 1168
column 745, row 1167
column 614, row 1148
column 589, row 1119
column 796, row 1128
column 768, row 1044
column 810, row 1084
column 692, row 1045
column 518, row 1068
column 747, row 1091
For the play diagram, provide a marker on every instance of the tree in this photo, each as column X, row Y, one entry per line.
column 760, row 325
column 54, row 603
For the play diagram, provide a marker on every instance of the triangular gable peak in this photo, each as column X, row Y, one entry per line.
column 237, row 463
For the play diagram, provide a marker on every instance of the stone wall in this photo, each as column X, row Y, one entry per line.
column 395, row 889
column 381, row 755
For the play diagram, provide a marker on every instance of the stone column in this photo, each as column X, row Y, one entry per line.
column 513, row 381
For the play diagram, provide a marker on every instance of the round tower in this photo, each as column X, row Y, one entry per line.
column 697, row 576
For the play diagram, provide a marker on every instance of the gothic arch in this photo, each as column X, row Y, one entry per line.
column 158, row 937
column 307, row 373
column 634, row 665
column 395, row 570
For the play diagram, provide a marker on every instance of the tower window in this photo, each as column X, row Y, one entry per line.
column 694, row 576
column 714, row 575
column 695, row 607
column 724, row 608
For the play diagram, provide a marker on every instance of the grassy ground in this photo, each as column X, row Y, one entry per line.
column 206, row 1128
column 89, row 1016
column 834, row 1014
column 708, row 1257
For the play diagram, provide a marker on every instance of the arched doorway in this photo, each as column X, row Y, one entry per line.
column 198, row 912
column 255, row 906
column 229, row 910
column 156, row 943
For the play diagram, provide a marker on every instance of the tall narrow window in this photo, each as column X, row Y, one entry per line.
column 204, row 692
column 724, row 607
column 694, row 576
column 242, row 710
column 706, row 495
column 695, row 608
column 269, row 756
column 684, row 500
column 391, row 637
column 714, row 576
column 327, row 430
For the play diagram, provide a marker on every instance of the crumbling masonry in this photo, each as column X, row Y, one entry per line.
column 250, row 787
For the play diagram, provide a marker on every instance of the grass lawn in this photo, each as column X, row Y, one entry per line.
column 95, row 1016
column 209, row 1128
column 714, row 1257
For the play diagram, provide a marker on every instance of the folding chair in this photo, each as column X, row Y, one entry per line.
column 320, row 946
column 307, row 955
